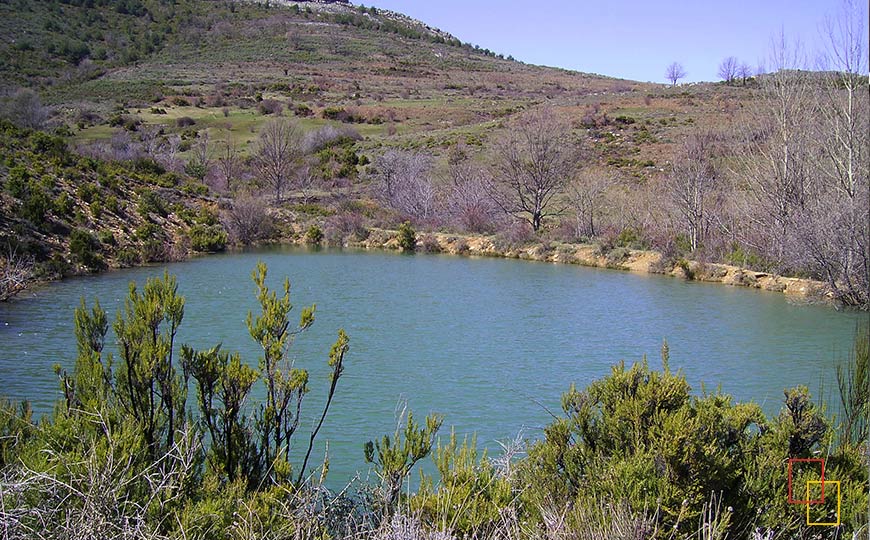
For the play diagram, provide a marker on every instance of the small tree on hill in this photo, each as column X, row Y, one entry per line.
column 675, row 72
column 278, row 151
column 728, row 69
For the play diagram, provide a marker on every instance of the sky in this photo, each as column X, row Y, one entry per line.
column 632, row 39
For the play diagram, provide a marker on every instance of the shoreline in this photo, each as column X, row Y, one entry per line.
column 629, row 260
column 624, row 259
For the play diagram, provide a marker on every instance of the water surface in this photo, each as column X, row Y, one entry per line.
column 489, row 343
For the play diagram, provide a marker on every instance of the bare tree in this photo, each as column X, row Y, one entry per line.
column 691, row 183
column 469, row 202
column 200, row 162
column 728, row 69
column 279, row 148
column 776, row 165
column 305, row 181
column 229, row 163
column 675, row 72
column 533, row 163
column 15, row 273
column 403, row 181
column 744, row 72
column 587, row 193
column 834, row 229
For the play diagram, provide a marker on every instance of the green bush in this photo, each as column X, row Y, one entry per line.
column 639, row 435
column 86, row 191
column 84, row 247
column 471, row 494
column 314, row 235
column 96, row 210
column 128, row 256
column 407, row 237
column 36, row 204
column 207, row 238
column 151, row 203
column 112, row 205
column 107, row 238
column 16, row 183
column 63, row 205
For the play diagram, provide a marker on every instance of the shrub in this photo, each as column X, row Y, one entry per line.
column 407, row 237
column 303, row 110
column 112, row 205
column 107, row 238
column 36, row 204
column 148, row 166
column 686, row 267
column 196, row 169
column 346, row 226
column 207, row 238
column 151, row 203
column 629, row 238
column 63, row 205
column 96, row 210
column 84, row 248
column 86, row 191
column 16, row 183
column 334, row 113
column 270, row 106
column 146, row 231
column 515, row 235
column 248, row 221
column 314, row 235
column 128, row 256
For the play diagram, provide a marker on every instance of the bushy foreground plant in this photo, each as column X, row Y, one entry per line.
column 122, row 457
column 639, row 436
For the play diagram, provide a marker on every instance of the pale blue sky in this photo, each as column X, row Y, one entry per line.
column 633, row 39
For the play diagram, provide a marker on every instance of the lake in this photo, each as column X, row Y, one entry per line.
column 489, row 343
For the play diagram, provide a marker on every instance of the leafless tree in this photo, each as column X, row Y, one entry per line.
column 778, row 158
column 728, row 69
column 151, row 139
column 691, row 183
column 534, row 161
column 202, row 150
column 305, row 181
column 834, row 228
column 587, row 194
column 403, row 181
column 279, row 149
column 229, row 163
column 16, row 271
column 469, row 203
column 675, row 72
column 744, row 72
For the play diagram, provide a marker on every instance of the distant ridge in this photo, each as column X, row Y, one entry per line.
column 372, row 13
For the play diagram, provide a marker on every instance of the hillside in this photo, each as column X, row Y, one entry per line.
column 191, row 85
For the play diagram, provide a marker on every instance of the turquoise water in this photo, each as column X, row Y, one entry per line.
column 489, row 343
